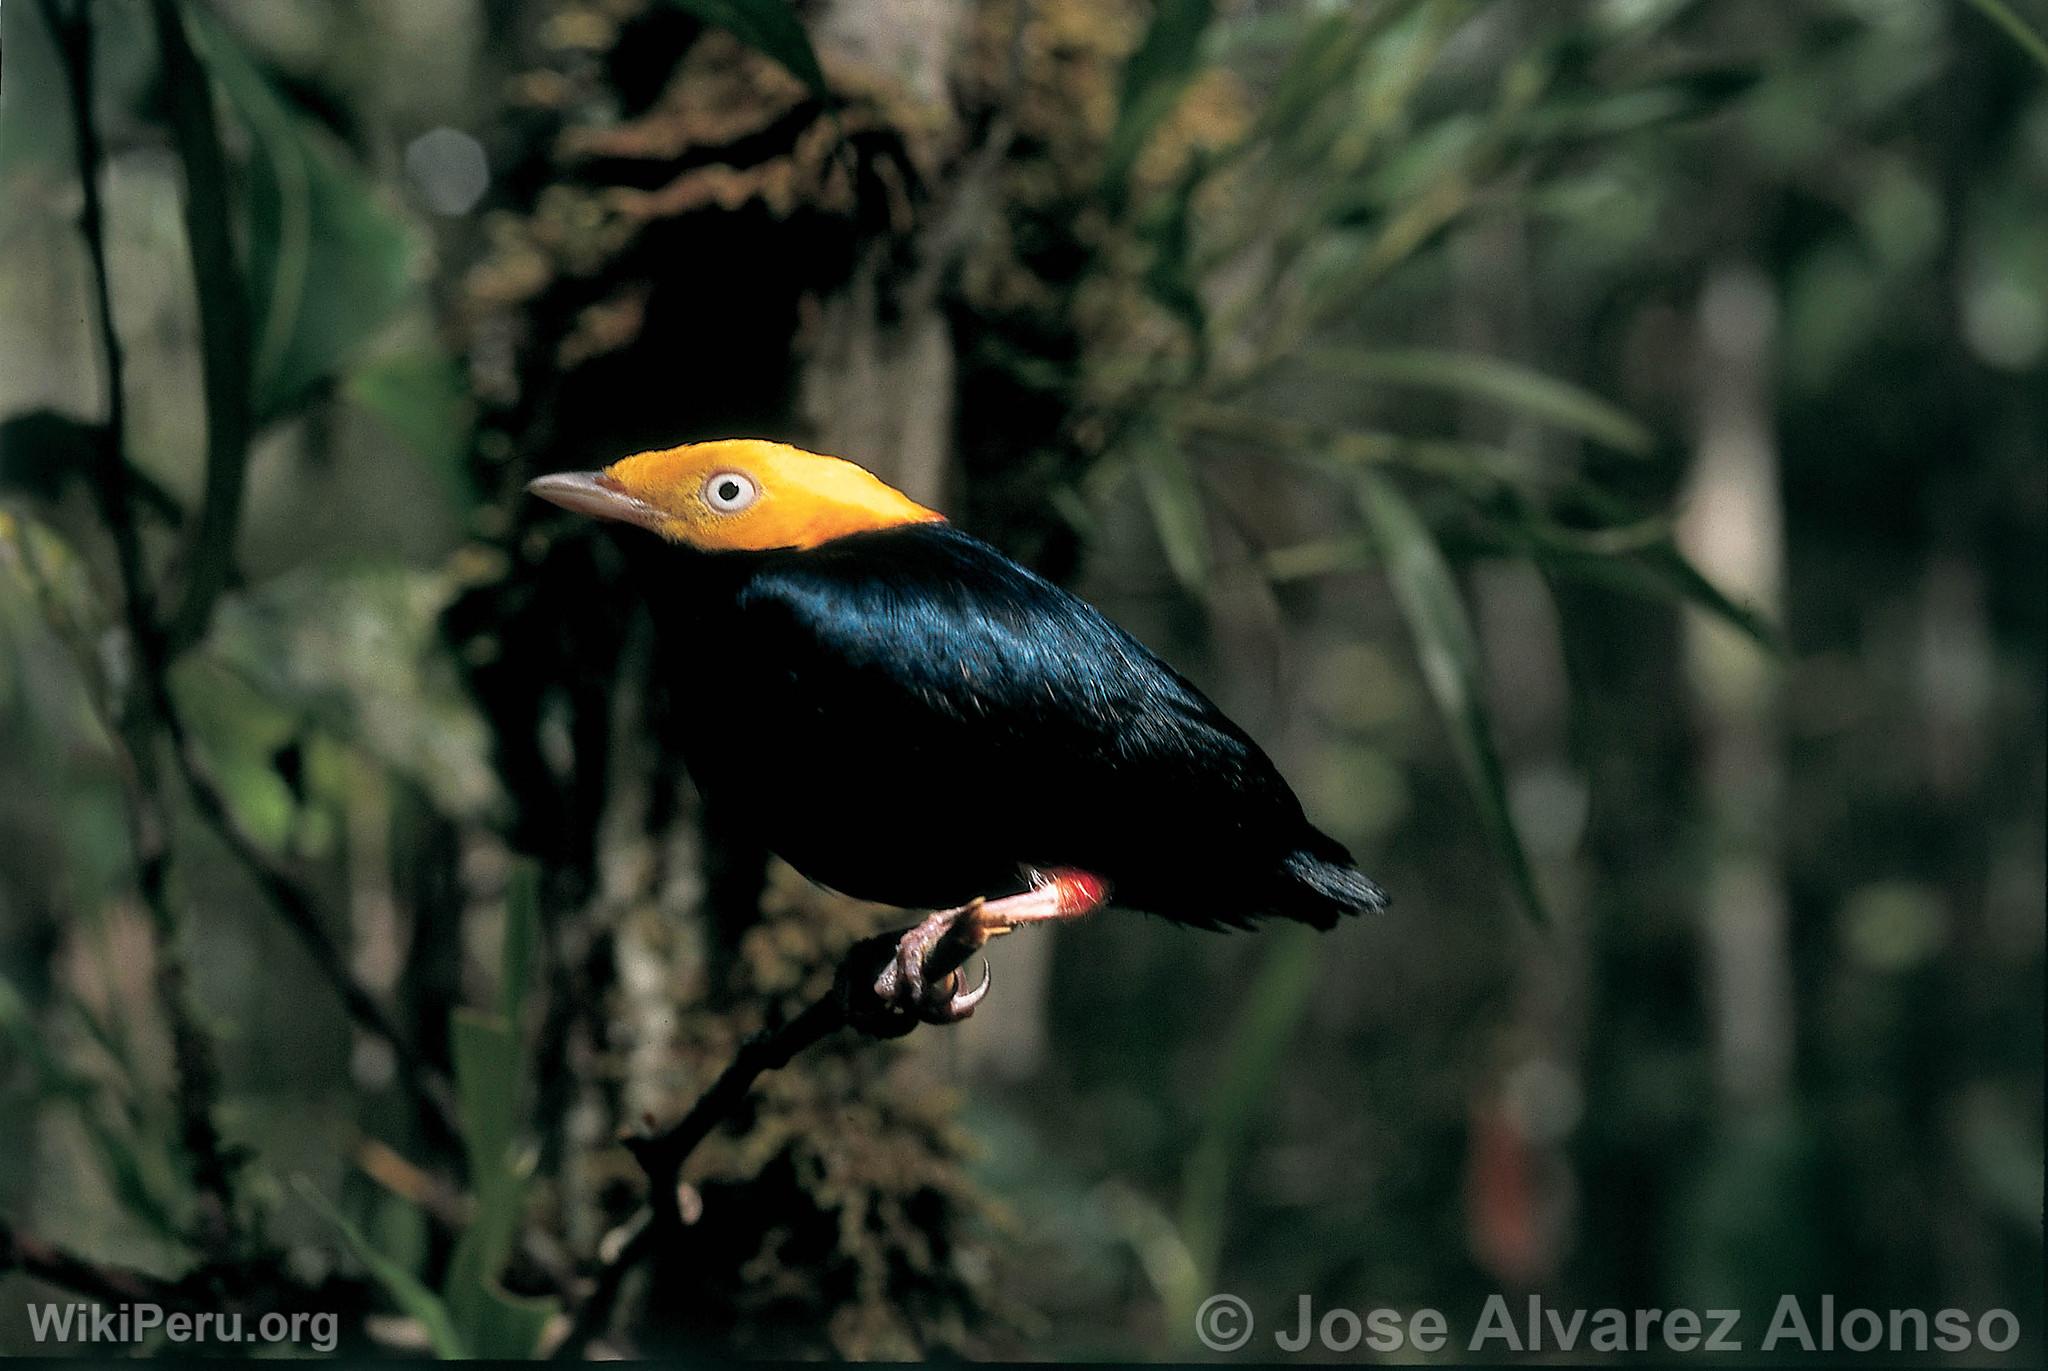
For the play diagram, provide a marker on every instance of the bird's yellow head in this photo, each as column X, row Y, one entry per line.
column 737, row 495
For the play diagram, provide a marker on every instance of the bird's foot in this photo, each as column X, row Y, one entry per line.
column 922, row 979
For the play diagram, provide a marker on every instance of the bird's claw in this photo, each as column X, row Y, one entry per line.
column 920, row 982
column 963, row 1002
column 907, row 985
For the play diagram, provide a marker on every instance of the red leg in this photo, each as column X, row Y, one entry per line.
column 1062, row 893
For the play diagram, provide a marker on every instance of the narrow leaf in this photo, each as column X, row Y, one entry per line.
column 1322, row 557
column 1322, row 61
column 2016, row 28
column 486, row 1053
column 225, row 336
column 1427, row 595
column 1663, row 572
column 1174, row 496
column 1153, row 80
column 509, row 1327
column 404, row 1288
column 1492, row 378
column 1170, row 278
column 488, row 1073
column 327, row 262
column 1590, row 116
column 1654, row 566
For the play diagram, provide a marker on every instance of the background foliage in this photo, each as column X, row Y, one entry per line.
column 1596, row 446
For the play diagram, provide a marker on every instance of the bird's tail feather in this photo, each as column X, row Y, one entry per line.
column 1321, row 890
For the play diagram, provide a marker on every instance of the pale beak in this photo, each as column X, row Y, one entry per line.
column 595, row 494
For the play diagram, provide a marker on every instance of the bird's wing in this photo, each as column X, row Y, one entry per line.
column 929, row 637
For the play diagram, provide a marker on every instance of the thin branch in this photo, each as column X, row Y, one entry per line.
column 224, row 334
column 148, row 706
column 867, row 995
column 74, row 43
column 661, row 1155
column 296, row 905
column 197, row 1077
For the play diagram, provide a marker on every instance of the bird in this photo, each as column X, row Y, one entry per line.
column 908, row 716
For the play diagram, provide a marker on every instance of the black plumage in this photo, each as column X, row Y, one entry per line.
column 910, row 717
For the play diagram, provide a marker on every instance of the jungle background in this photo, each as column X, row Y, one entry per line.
column 1596, row 446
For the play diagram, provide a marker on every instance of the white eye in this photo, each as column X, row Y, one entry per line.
column 729, row 492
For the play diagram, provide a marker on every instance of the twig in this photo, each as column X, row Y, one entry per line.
column 661, row 1155
column 197, row 1079
column 301, row 914
column 863, row 998
column 224, row 350
column 148, row 706
column 74, row 43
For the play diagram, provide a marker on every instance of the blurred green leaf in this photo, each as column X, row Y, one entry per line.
column 138, row 1183
column 1639, row 559
column 1324, row 60
column 243, row 731
column 1592, row 115
column 60, row 580
column 509, row 1327
column 421, row 396
column 1170, row 276
column 328, row 263
column 1349, row 88
column 358, row 651
column 1491, row 378
column 1633, row 555
column 1321, row 557
column 489, row 1071
column 769, row 27
column 487, row 1079
column 1427, row 595
column 1153, row 80
column 1342, row 450
column 1662, row 572
column 404, row 1288
column 227, row 340
column 487, row 1090
column 2023, row 36
column 1357, row 261
column 35, row 130
column 1425, row 157
column 1174, row 495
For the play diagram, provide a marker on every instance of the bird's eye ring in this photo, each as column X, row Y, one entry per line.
column 729, row 492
